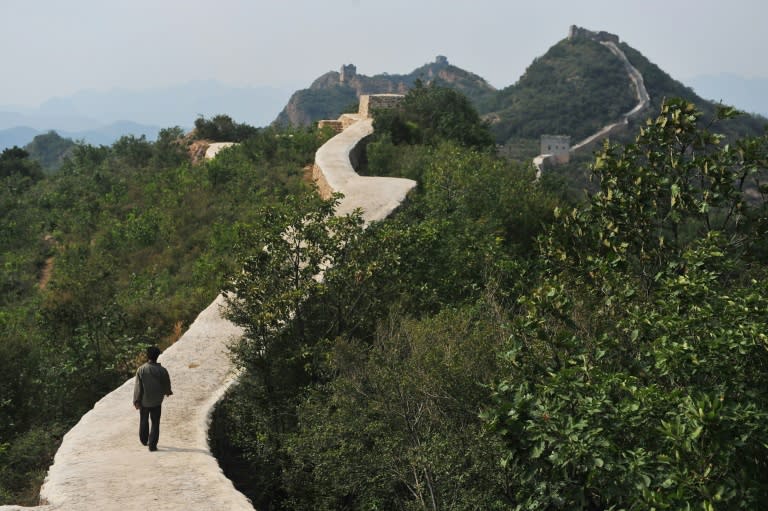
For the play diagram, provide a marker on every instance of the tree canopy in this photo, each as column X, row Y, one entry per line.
column 221, row 128
column 634, row 376
column 431, row 113
column 489, row 347
column 120, row 248
column 50, row 149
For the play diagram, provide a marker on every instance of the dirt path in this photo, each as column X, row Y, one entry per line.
column 45, row 274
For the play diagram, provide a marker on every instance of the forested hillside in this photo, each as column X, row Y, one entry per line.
column 120, row 248
column 331, row 94
column 576, row 87
column 50, row 150
column 492, row 347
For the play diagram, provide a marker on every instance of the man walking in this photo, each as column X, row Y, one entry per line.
column 152, row 384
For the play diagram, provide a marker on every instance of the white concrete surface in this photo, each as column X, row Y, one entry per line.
column 102, row 466
column 376, row 196
column 215, row 147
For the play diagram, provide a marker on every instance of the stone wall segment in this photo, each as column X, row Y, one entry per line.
column 101, row 465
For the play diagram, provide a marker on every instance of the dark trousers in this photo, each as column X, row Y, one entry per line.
column 147, row 435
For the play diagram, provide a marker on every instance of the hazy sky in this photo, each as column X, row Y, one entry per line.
column 58, row 47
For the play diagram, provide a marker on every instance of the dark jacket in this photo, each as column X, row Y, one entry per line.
column 152, row 384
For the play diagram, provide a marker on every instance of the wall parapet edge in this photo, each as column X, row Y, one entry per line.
column 334, row 171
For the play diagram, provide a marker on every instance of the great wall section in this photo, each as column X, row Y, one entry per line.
column 376, row 196
column 561, row 144
column 101, row 465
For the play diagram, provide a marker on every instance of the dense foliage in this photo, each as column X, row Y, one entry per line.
column 16, row 166
column 446, row 361
column 221, row 128
column 358, row 388
column 429, row 114
column 120, row 248
column 487, row 347
column 635, row 373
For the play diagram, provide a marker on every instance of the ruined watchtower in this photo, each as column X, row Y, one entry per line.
column 575, row 32
column 347, row 72
column 557, row 147
column 368, row 103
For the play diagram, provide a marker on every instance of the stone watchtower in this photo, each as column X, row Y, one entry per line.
column 347, row 72
column 368, row 103
column 557, row 147
column 575, row 32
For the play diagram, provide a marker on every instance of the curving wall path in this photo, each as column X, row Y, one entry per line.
column 101, row 465
column 643, row 102
column 641, row 93
column 334, row 172
column 214, row 148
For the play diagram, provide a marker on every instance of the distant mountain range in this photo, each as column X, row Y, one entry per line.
column 102, row 135
column 102, row 117
column 20, row 136
column 574, row 89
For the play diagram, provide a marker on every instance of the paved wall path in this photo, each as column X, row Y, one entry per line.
column 213, row 149
column 376, row 196
column 101, row 466
column 643, row 102
column 641, row 93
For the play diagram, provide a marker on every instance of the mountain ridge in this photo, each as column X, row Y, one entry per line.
column 102, row 135
column 575, row 88
column 97, row 116
column 333, row 92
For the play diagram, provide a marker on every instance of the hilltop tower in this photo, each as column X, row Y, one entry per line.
column 557, row 147
column 347, row 72
column 575, row 32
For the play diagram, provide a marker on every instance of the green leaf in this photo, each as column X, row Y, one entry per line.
column 537, row 450
column 696, row 433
